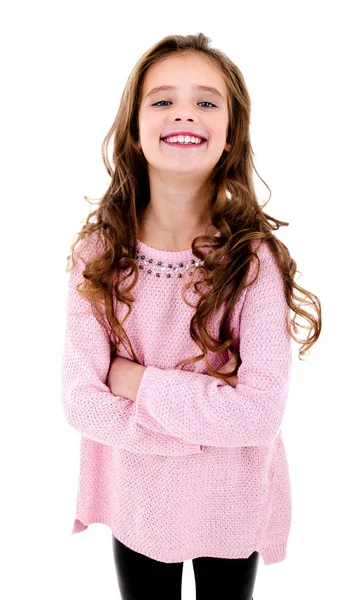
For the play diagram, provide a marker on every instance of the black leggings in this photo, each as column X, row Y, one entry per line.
column 140, row 577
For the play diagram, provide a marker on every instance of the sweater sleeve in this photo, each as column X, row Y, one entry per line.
column 88, row 404
column 202, row 409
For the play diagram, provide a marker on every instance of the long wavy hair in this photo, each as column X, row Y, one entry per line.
column 233, row 209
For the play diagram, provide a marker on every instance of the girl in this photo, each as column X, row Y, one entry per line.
column 183, row 463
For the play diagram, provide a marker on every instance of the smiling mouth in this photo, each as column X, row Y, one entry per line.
column 184, row 145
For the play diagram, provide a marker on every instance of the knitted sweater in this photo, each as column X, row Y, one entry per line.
column 194, row 467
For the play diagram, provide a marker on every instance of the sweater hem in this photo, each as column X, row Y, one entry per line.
column 271, row 554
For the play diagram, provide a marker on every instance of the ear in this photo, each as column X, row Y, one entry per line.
column 227, row 147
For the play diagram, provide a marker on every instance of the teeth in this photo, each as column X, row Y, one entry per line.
column 184, row 139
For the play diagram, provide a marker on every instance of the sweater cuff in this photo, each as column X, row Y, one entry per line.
column 142, row 410
column 144, row 401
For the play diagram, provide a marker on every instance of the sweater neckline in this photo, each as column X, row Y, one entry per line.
column 167, row 254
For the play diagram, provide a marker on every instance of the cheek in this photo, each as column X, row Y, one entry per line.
column 151, row 133
column 148, row 121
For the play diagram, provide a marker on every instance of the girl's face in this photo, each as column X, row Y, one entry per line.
column 183, row 107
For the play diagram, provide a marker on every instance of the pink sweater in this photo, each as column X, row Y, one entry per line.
column 194, row 467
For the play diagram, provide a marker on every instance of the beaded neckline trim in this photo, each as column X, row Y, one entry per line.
column 161, row 269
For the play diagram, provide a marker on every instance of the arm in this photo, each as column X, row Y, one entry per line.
column 125, row 376
column 89, row 405
column 201, row 409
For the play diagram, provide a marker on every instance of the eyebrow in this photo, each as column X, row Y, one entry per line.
column 206, row 88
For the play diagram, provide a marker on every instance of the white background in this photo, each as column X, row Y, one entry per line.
column 64, row 66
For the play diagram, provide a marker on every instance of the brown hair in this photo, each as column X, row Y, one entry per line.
column 234, row 211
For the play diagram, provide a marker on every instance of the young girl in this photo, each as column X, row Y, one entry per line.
column 177, row 353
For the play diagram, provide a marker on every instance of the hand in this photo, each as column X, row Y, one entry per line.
column 229, row 366
column 114, row 379
column 124, row 377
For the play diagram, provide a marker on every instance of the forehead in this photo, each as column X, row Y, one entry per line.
column 184, row 72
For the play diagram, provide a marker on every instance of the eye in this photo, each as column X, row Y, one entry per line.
column 156, row 103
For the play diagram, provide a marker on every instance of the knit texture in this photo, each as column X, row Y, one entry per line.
column 194, row 467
